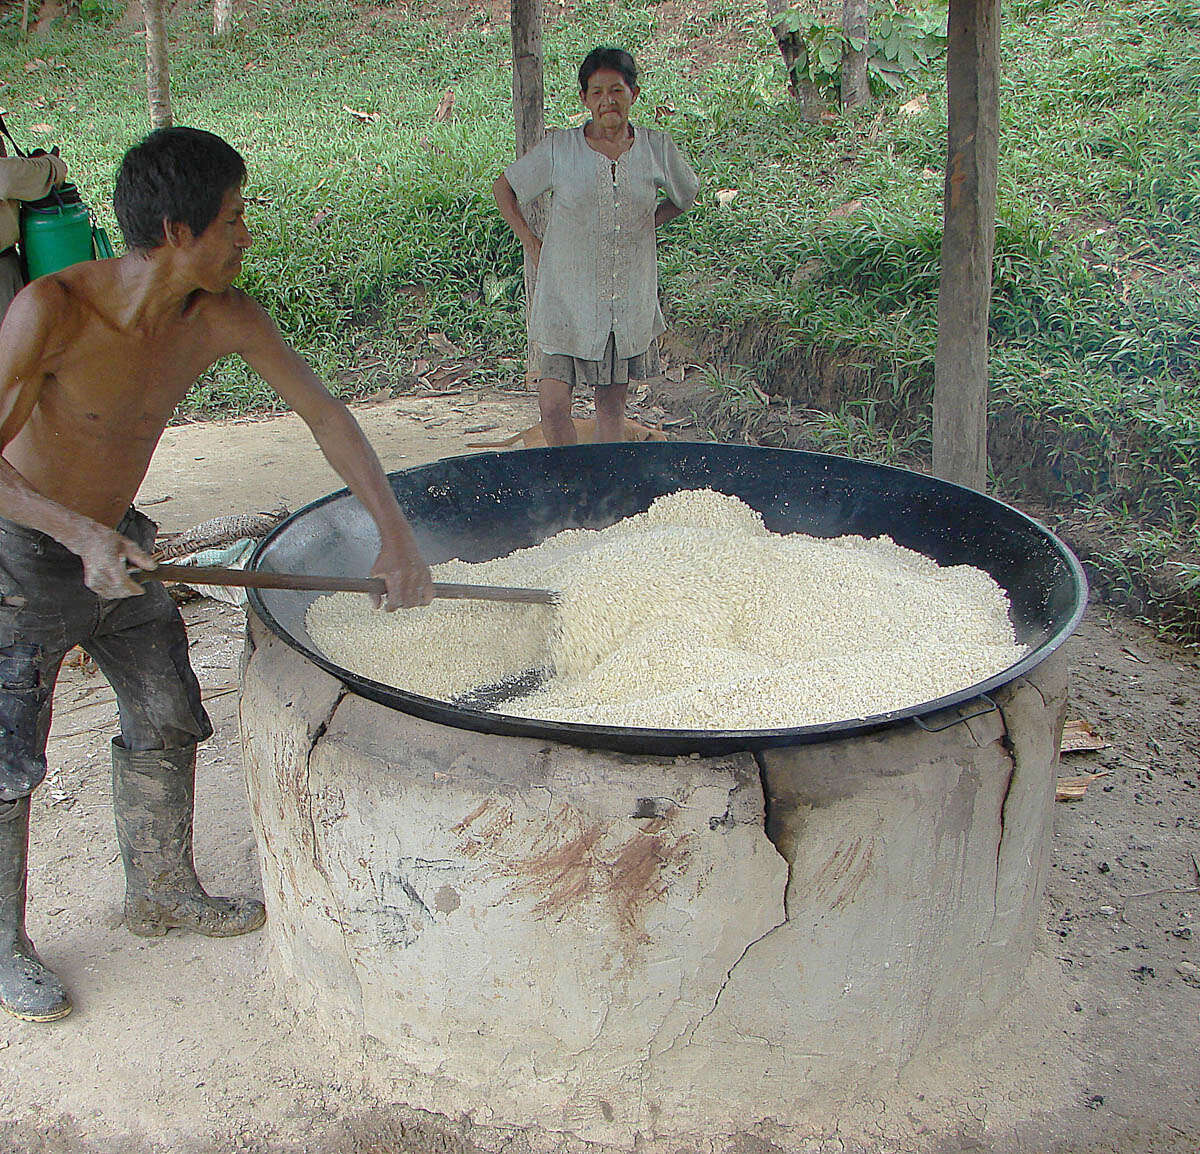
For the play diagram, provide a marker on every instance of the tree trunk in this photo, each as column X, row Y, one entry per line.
column 158, row 71
column 960, row 375
column 812, row 102
column 529, row 99
column 804, row 92
column 855, row 87
column 24, row 19
column 222, row 17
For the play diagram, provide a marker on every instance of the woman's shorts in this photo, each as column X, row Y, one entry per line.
column 609, row 370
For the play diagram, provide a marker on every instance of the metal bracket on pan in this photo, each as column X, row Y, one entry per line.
column 958, row 720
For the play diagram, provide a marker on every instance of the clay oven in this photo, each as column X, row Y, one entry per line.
column 612, row 932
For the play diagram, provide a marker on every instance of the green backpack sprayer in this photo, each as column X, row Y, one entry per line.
column 59, row 229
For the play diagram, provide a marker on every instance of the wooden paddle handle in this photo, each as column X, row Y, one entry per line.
column 259, row 579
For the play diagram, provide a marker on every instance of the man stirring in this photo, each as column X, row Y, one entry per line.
column 93, row 361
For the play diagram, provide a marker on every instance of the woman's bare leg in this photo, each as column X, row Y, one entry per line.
column 554, row 402
column 610, row 412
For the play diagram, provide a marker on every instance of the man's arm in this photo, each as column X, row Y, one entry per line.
column 345, row 447
column 24, row 336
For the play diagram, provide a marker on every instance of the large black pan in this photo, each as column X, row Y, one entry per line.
column 484, row 506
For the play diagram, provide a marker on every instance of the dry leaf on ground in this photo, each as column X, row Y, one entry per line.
column 445, row 106
column 445, row 347
column 847, row 209
column 1073, row 788
column 1079, row 737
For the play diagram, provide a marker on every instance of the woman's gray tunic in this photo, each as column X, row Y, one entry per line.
column 598, row 271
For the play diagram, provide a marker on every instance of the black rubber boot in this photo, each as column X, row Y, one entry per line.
column 153, row 798
column 27, row 989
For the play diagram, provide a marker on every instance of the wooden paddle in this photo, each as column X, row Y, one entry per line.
column 259, row 579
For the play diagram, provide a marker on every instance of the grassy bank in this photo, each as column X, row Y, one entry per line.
column 374, row 229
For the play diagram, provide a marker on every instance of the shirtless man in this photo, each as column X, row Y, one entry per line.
column 93, row 361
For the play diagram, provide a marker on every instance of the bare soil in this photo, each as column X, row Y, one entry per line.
column 182, row 1044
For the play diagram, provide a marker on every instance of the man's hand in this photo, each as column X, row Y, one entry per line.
column 407, row 577
column 107, row 557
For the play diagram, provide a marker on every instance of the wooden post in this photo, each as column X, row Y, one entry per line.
column 529, row 104
column 960, row 375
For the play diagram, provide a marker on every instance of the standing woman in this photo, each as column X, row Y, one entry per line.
column 595, row 315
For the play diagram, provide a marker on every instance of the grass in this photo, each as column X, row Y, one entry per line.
column 372, row 231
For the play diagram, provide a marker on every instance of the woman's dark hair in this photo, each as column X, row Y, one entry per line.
column 176, row 174
column 615, row 58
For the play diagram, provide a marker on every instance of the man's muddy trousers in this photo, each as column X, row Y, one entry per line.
column 139, row 643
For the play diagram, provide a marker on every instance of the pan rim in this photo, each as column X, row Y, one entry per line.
column 639, row 739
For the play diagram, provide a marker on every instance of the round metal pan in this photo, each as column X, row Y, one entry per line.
column 484, row 506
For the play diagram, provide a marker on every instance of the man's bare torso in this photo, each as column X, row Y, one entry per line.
column 109, row 386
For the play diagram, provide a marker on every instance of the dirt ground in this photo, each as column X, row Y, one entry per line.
column 182, row 1046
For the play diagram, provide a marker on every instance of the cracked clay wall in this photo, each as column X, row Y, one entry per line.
column 597, row 943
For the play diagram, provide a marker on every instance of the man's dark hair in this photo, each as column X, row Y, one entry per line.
column 175, row 174
column 615, row 58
